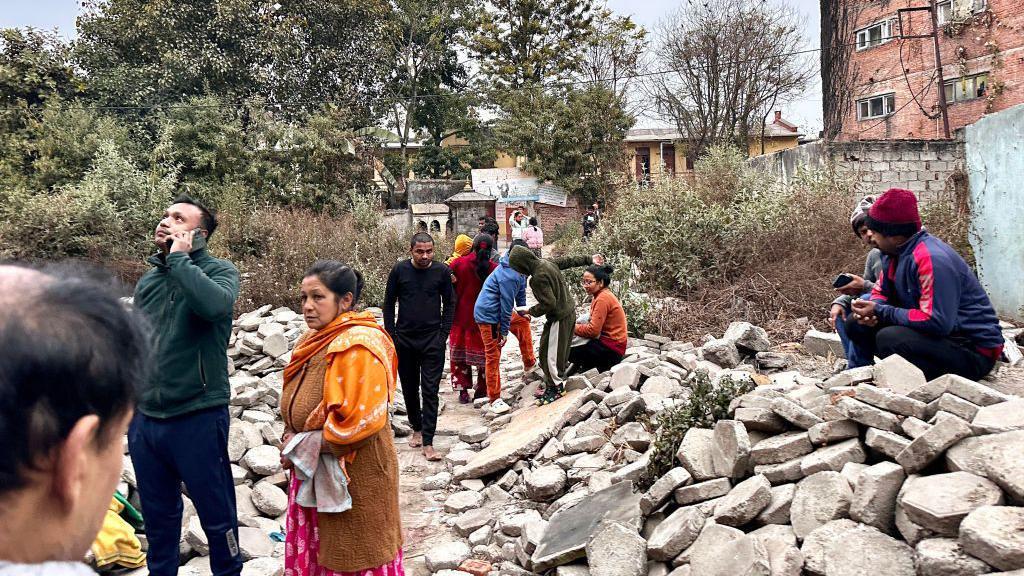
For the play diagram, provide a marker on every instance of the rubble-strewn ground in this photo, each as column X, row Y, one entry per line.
column 867, row 471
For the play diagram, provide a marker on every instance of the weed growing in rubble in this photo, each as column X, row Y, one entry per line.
column 708, row 403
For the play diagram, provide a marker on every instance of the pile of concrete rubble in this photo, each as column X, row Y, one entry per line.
column 867, row 471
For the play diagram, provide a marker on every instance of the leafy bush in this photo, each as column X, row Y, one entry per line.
column 708, row 403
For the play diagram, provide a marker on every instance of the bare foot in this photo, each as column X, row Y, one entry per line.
column 416, row 440
column 430, row 454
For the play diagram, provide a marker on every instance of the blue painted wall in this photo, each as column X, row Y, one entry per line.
column 995, row 167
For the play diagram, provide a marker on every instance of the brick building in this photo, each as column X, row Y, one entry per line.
column 892, row 79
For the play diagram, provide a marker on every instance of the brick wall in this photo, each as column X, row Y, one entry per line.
column 928, row 167
column 550, row 216
column 993, row 44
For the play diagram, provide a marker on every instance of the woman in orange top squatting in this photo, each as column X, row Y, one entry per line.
column 601, row 338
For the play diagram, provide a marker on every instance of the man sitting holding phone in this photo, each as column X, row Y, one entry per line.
column 851, row 286
column 927, row 305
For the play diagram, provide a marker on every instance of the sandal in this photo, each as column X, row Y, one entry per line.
column 464, row 397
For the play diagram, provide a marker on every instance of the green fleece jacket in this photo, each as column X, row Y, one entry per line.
column 188, row 299
column 554, row 300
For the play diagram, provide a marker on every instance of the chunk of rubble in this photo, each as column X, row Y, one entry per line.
column 945, row 557
column 930, row 445
column 676, row 533
column 819, row 499
column 874, row 496
column 744, row 502
column 695, row 454
column 617, row 550
column 730, row 449
column 897, row 374
column 569, row 529
column 995, row 534
column 1002, row 417
column 940, row 502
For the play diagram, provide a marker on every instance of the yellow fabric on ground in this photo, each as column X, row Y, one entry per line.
column 116, row 543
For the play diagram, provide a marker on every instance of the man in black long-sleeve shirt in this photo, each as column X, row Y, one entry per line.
column 426, row 306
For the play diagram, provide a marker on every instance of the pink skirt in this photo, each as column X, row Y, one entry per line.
column 302, row 544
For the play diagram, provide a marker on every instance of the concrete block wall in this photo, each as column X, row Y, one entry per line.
column 927, row 167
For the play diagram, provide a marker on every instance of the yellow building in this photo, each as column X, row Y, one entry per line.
column 656, row 153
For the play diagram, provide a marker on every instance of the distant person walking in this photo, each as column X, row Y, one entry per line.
column 423, row 290
column 517, row 224
column 465, row 344
column 534, row 237
column 590, row 221
column 180, row 433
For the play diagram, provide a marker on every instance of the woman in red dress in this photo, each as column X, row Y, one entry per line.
column 467, row 347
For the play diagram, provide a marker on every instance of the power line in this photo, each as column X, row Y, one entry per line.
column 395, row 99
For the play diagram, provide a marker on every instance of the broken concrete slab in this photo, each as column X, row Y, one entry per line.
column 973, row 392
column 794, row 413
column 748, row 336
column 706, row 554
column 544, row 483
column 995, row 534
column 898, row 374
column 781, row 473
column 730, row 449
column 819, row 541
column 569, row 529
column 874, row 496
column 1004, row 463
column 865, row 550
column 945, row 557
column 940, row 502
column 832, row 457
column 911, row 532
column 955, row 405
column 702, row 491
column 617, row 550
column 744, row 502
column 914, row 427
column 781, row 448
column 676, row 533
column 662, row 489
column 1002, row 417
column 524, row 436
column 868, row 415
column 819, row 499
column 721, row 352
column 625, row 376
column 832, row 431
column 777, row 510
column 824, row 344
column 890, row 401
column 760, row 419
column 930, row 445
column 886, row 443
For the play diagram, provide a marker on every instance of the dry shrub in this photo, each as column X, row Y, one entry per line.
column 276, row 245
column 734, row 244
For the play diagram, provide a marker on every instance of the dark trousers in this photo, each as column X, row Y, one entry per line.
column 192, row 448
column 593, row 354
column 420, row 364
column 934, row 355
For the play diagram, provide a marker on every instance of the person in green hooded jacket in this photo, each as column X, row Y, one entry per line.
column 556, row 304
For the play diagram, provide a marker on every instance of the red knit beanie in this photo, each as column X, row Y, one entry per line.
column 895, row 214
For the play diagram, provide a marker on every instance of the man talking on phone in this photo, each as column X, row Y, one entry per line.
column 180, row 430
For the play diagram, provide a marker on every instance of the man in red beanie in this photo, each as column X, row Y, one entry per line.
column 927, row 306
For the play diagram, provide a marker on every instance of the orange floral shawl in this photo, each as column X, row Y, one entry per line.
column 360, row 379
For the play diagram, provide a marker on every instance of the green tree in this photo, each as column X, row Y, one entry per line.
column 571, row 136
column 527, row 42
column 298, row 54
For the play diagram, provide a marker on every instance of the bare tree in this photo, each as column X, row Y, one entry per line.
column 726, row 62
column 612, row 56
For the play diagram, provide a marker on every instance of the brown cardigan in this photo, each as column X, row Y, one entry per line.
column 370, row 534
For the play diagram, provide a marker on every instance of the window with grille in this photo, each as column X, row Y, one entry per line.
column 876, row 106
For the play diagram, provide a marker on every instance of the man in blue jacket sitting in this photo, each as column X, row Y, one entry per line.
column 927, row 305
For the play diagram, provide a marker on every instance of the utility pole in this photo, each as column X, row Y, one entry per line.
column 934, row 35
column 938, row 67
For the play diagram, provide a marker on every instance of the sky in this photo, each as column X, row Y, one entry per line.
column 804, row 110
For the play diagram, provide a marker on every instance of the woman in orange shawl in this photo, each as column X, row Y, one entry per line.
column 340, row 381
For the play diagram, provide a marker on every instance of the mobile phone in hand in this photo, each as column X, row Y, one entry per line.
column 842, row 280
